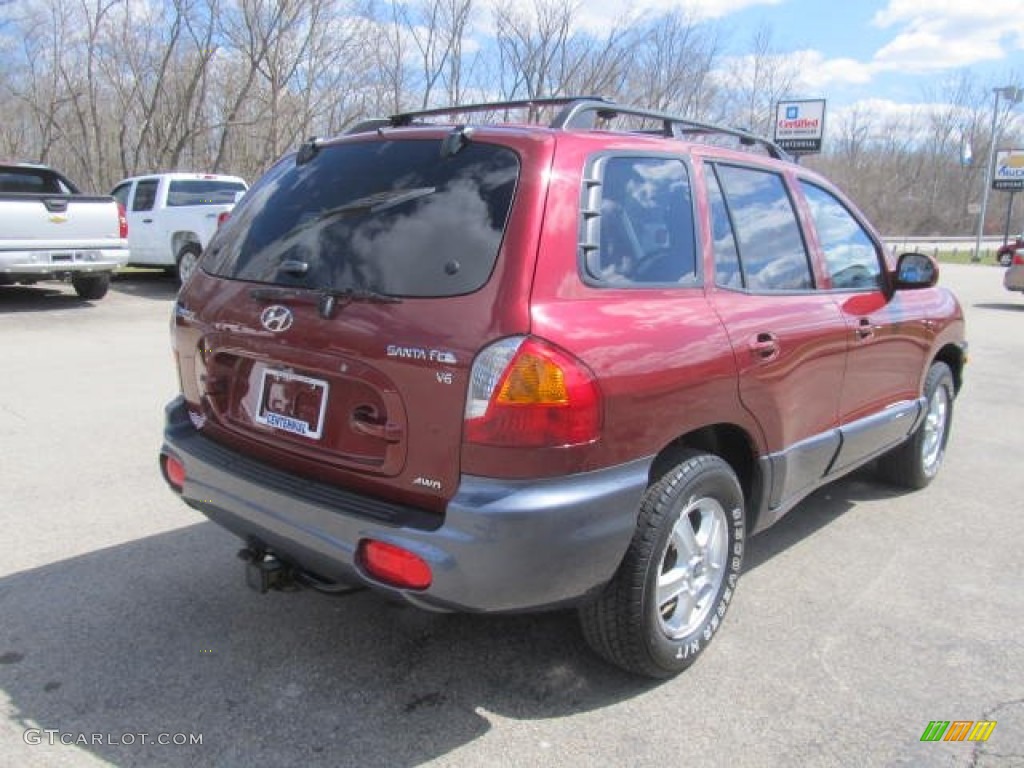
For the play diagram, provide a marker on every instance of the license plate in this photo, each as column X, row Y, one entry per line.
column 292, row 403
column 59, row 257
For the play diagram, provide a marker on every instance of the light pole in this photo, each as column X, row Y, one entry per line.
column 1014, row 96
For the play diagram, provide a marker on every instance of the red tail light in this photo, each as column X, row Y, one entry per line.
column 394, row 565
column 1018, row 258
column 174, row 472
column 224, row 216
column 122, row 222
column 526, row 393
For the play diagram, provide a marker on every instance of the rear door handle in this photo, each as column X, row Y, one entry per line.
column 865, row 330
column 765, row 346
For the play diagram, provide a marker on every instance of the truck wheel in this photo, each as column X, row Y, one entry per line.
column 188, row 259
column 674, row 585
column 916, row 462
column 91, row 287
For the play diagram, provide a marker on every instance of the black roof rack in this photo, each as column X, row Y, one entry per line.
column 580, row 112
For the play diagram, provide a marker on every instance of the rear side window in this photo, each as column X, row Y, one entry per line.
column 202, row 192
column 638, row 223
column 772, row 252
column 399, row 218
column 145, row 195
column 850, row 255
column 121, row 193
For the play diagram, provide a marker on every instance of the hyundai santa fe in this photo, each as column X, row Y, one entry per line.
column 577, row 360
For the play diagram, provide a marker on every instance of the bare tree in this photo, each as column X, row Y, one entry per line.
column 673, row 57
column 756, row 82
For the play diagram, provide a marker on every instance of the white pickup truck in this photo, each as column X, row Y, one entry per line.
column 172, row 216
column 49, row 231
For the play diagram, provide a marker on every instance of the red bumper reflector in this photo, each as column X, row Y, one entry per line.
column 174, row 472
column 393, row 565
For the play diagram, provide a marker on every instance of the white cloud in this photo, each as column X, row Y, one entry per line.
column 947, row 34
column 817, row 73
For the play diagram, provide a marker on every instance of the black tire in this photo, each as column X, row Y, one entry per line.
column 91, row 287
column 187, row 261
column 915, row 463
column 658, row 636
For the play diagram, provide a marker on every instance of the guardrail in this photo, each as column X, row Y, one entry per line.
column 933, row 245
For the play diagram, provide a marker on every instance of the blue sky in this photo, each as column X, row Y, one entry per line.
column 897, row 52
column 894, row 50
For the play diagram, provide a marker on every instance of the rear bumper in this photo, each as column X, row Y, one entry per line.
column 45, row 263
column 1013, row 279
column 502, row 545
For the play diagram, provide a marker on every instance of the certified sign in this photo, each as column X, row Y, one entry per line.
column 800, row 126
column 1009, row 169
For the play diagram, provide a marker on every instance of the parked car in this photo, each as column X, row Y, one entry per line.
column 509, row 367
column 50, row 230
column 1013, row 278
column 1005, row 253
column 172, row 216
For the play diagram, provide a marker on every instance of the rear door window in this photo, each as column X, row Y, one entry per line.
column 400, row 218
column 145, row 195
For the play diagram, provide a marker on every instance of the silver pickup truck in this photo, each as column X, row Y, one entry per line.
column 49, row 230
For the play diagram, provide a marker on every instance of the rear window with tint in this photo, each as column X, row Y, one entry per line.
column 396, row 217
column 31, row 182
column 202, row 192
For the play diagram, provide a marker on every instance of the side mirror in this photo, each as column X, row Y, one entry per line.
column 916, row 270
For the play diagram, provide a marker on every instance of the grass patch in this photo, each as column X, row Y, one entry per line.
column 962, row 256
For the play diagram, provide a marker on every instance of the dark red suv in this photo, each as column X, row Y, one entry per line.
column 505, row 367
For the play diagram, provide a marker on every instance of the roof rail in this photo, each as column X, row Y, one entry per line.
column 580, row 112
column 673, row 126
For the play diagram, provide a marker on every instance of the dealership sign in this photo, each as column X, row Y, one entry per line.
column 800, row 125
column 1009, row 172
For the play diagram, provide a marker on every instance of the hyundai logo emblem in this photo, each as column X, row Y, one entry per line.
column 276, row 318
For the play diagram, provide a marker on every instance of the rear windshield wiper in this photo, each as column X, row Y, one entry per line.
column 327, row 299
column 381, row 201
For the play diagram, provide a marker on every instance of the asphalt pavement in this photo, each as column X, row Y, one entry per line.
column 863, row 616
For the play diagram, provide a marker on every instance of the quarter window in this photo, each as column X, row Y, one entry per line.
column 772, row 252
column 638, row 227
column 121, row 194
column 851, row 258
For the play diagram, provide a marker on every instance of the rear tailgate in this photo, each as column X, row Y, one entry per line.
column 31, row 222
column 334, row 327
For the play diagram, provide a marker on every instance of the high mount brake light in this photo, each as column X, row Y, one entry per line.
column 527, row 393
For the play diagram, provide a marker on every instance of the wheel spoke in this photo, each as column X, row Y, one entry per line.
column 684, row 539
column 679, row 617
column 671, row 584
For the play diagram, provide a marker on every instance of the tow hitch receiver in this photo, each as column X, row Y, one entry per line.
column 264, row 572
